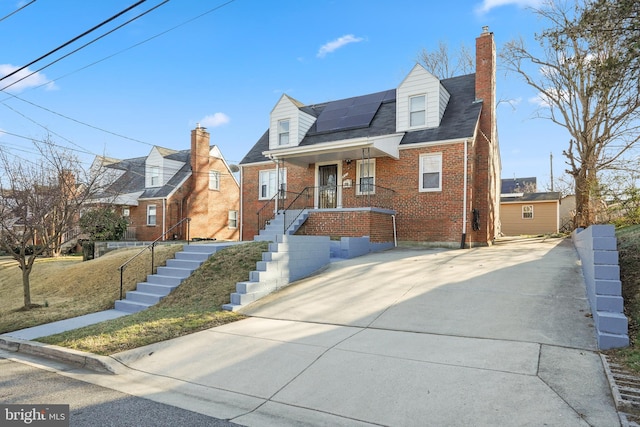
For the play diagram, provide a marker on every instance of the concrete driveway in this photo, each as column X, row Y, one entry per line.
column 408, row 337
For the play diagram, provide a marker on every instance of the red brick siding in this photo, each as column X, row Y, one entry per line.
column 378, row 226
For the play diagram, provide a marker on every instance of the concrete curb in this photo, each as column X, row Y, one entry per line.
column 81, row 359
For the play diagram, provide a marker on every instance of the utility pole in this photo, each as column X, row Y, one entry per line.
column 551, row 166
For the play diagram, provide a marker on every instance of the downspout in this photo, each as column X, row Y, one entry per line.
column 164, row 217
column 464, row 198
column 241, row 213
column 395, row 232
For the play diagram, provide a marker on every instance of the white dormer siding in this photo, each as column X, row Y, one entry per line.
column 288, row 110
column 420, row 83
column 158, row 169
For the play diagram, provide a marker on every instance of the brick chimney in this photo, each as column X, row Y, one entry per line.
column 486, row 81
column 487, row 153
column 199, row 199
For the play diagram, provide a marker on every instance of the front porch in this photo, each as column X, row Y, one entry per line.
column 333, row 211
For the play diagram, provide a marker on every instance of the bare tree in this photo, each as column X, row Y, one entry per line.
column 444, row 64
column 586, row 84
column 40, row 200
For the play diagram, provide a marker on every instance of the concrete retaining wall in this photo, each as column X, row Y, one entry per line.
column 597, row 247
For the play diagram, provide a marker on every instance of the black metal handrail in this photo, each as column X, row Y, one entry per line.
column 266, row 213
column 151, row 246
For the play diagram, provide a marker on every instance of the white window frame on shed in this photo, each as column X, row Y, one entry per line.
column 366, row 170
column 268, row 183
column 527, row 211
column 233, row 219
column 214, row 180
column 430, row 163
column 417, row 111
column 152, row 215
column 284, row 127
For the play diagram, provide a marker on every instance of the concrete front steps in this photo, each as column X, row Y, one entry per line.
column 275, row 226
column 168, row 278
column 290, row 258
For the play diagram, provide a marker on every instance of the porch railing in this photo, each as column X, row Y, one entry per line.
column 151, row 247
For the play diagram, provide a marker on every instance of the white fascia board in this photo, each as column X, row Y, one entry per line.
column 387, row 143
column 432, row 143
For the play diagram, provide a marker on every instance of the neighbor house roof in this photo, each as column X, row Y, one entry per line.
column 458, row 122
column 516, row 185
column 133, row 178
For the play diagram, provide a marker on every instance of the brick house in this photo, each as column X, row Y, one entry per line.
column 156, row 192
column 418, row 163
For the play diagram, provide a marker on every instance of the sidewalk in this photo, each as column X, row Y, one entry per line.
column 484, row 337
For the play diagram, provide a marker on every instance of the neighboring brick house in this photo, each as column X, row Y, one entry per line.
column 156, row 192
column 416, row 163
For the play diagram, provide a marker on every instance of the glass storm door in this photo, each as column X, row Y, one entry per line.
column 328, row 192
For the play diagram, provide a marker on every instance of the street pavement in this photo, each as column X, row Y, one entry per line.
column 488, row 336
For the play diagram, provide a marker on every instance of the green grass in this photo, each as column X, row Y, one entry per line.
column 194, row 306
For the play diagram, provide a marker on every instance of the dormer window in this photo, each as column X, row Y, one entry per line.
column 417, row 110
column 283, row 132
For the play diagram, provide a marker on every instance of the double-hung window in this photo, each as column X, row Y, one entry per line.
column 283, row 132
column 366, row 176
column 417, row 110
column 270, row 184
column 214, row 180
column 527, row 212
column 154, row 176
column 233, row 219
column 431, row 172
column 151, row 215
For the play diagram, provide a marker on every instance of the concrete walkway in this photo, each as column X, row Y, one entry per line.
column 482, row 337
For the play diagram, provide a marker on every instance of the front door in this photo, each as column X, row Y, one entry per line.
column 328, row 192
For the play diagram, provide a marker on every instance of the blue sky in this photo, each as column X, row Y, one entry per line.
column 225, row 65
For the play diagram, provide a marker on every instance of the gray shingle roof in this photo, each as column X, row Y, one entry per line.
column 133, row 178
column 459, row 120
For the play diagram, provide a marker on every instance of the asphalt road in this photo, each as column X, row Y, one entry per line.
column 91, row 405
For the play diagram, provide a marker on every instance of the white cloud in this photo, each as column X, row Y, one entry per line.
column 214, row 120
column 487, row 5
column 36, row 80
column 337, row 44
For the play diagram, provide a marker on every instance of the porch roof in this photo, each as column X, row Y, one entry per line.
column 340, row 150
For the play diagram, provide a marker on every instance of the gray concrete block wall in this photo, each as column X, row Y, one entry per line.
column 597, row 248
column 290, row 258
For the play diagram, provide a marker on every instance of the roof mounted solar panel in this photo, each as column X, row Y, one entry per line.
column 350, row 113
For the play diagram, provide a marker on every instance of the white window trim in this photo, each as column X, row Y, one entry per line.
column 523, row 211
column 233, row 217
column 422, row 171
column 214, row 183
column 155, row 214
column 424, row 111
column 372, row 174
column 154, row 173
column 280, row 133
column 278, row 183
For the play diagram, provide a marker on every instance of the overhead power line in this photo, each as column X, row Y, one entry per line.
column 17, row 10
column 74, row 39
column 85, row 45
